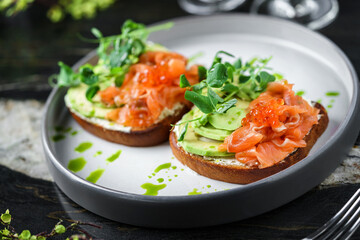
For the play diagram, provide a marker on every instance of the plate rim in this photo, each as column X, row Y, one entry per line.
column 350, row 115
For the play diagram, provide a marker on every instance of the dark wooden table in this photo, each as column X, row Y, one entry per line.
column 31, row 46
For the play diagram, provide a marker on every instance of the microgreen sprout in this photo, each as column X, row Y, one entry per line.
column 116, row 54
column 223, row 83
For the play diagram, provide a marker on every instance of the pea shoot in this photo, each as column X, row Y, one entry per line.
column 116, row 54
column 223, row 83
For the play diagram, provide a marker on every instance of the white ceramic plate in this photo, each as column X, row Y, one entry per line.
column 310, row 61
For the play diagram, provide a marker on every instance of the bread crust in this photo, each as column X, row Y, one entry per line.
column 151, row 136
column 241, row 174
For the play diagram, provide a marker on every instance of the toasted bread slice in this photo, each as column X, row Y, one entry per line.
column 153, row 135
column 237, row 173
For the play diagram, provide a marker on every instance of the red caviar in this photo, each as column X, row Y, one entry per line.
column 266, row 114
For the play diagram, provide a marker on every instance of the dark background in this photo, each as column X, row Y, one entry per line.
column 31, row 46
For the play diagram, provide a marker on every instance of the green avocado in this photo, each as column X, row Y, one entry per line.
column 196, row 144
column 210, row 132
column 76, row 100
column 230, row 120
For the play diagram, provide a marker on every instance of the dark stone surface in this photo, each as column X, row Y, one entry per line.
column 37, row 205
column 31, row 46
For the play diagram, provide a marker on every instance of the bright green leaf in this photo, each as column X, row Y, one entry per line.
column 202, row 73
column 202, row 102
column 238, row 63
column 183, row 132
column 96, row 32
column 184, row 82
column 88, row 77
column 229, row 88
column 67, row 77
column 119, row 80
column 218, row 76
column 198, row 87
column 214, row 98
column 25, row 235
column 91, row 91
column 60, row 229
column 6, row 217
column 226, row 105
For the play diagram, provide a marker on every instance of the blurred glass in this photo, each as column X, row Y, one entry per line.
column 314, row 14
column 206, row 7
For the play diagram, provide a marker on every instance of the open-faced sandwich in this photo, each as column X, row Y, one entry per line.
column 247, row 124
column 131, row 93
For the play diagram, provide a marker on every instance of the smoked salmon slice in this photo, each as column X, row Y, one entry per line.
column 277, row 122
column 149, row 87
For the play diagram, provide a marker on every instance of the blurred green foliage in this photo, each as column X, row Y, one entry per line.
column 58, row 9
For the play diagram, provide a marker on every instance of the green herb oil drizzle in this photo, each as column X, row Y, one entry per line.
column 332, row 94
column 77, row 164
column 300, row 93
column 97, row 153
column 114, row 156
column 152, row 189
column 95, row 175
column 194, row 192
column 83, row 147
column 162, row 166
column 58, row 137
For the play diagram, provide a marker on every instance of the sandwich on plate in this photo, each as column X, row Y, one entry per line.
column 247, row 123
column 130, row 94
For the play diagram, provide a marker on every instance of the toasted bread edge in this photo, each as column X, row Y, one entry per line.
column 244, row 175
column 153, row 135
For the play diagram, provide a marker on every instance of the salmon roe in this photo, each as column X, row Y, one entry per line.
column 265, row 114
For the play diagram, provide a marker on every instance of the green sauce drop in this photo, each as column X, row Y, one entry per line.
column 62, row 129
column 77, row 164
column 58, row 137
column 174, row 167
column 329, row 106
column 208, row 186
column 83, row 147
column 170, row 180
column 152, row 189
column 160, row 180
column 95, row 175
column 332, row 94
column 114, row 156
column 73, row 133
column 300, row 93
column 59, row 128
column 319, row 101
column 162, row 166
column 97, row 153
column 194, row 192
column 175, row 175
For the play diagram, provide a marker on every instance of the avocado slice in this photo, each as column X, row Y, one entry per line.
column 196, row 144
column 231, row 120
column 210, row 132
column 76, row 100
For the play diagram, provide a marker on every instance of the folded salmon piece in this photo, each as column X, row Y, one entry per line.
column 277, row 122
